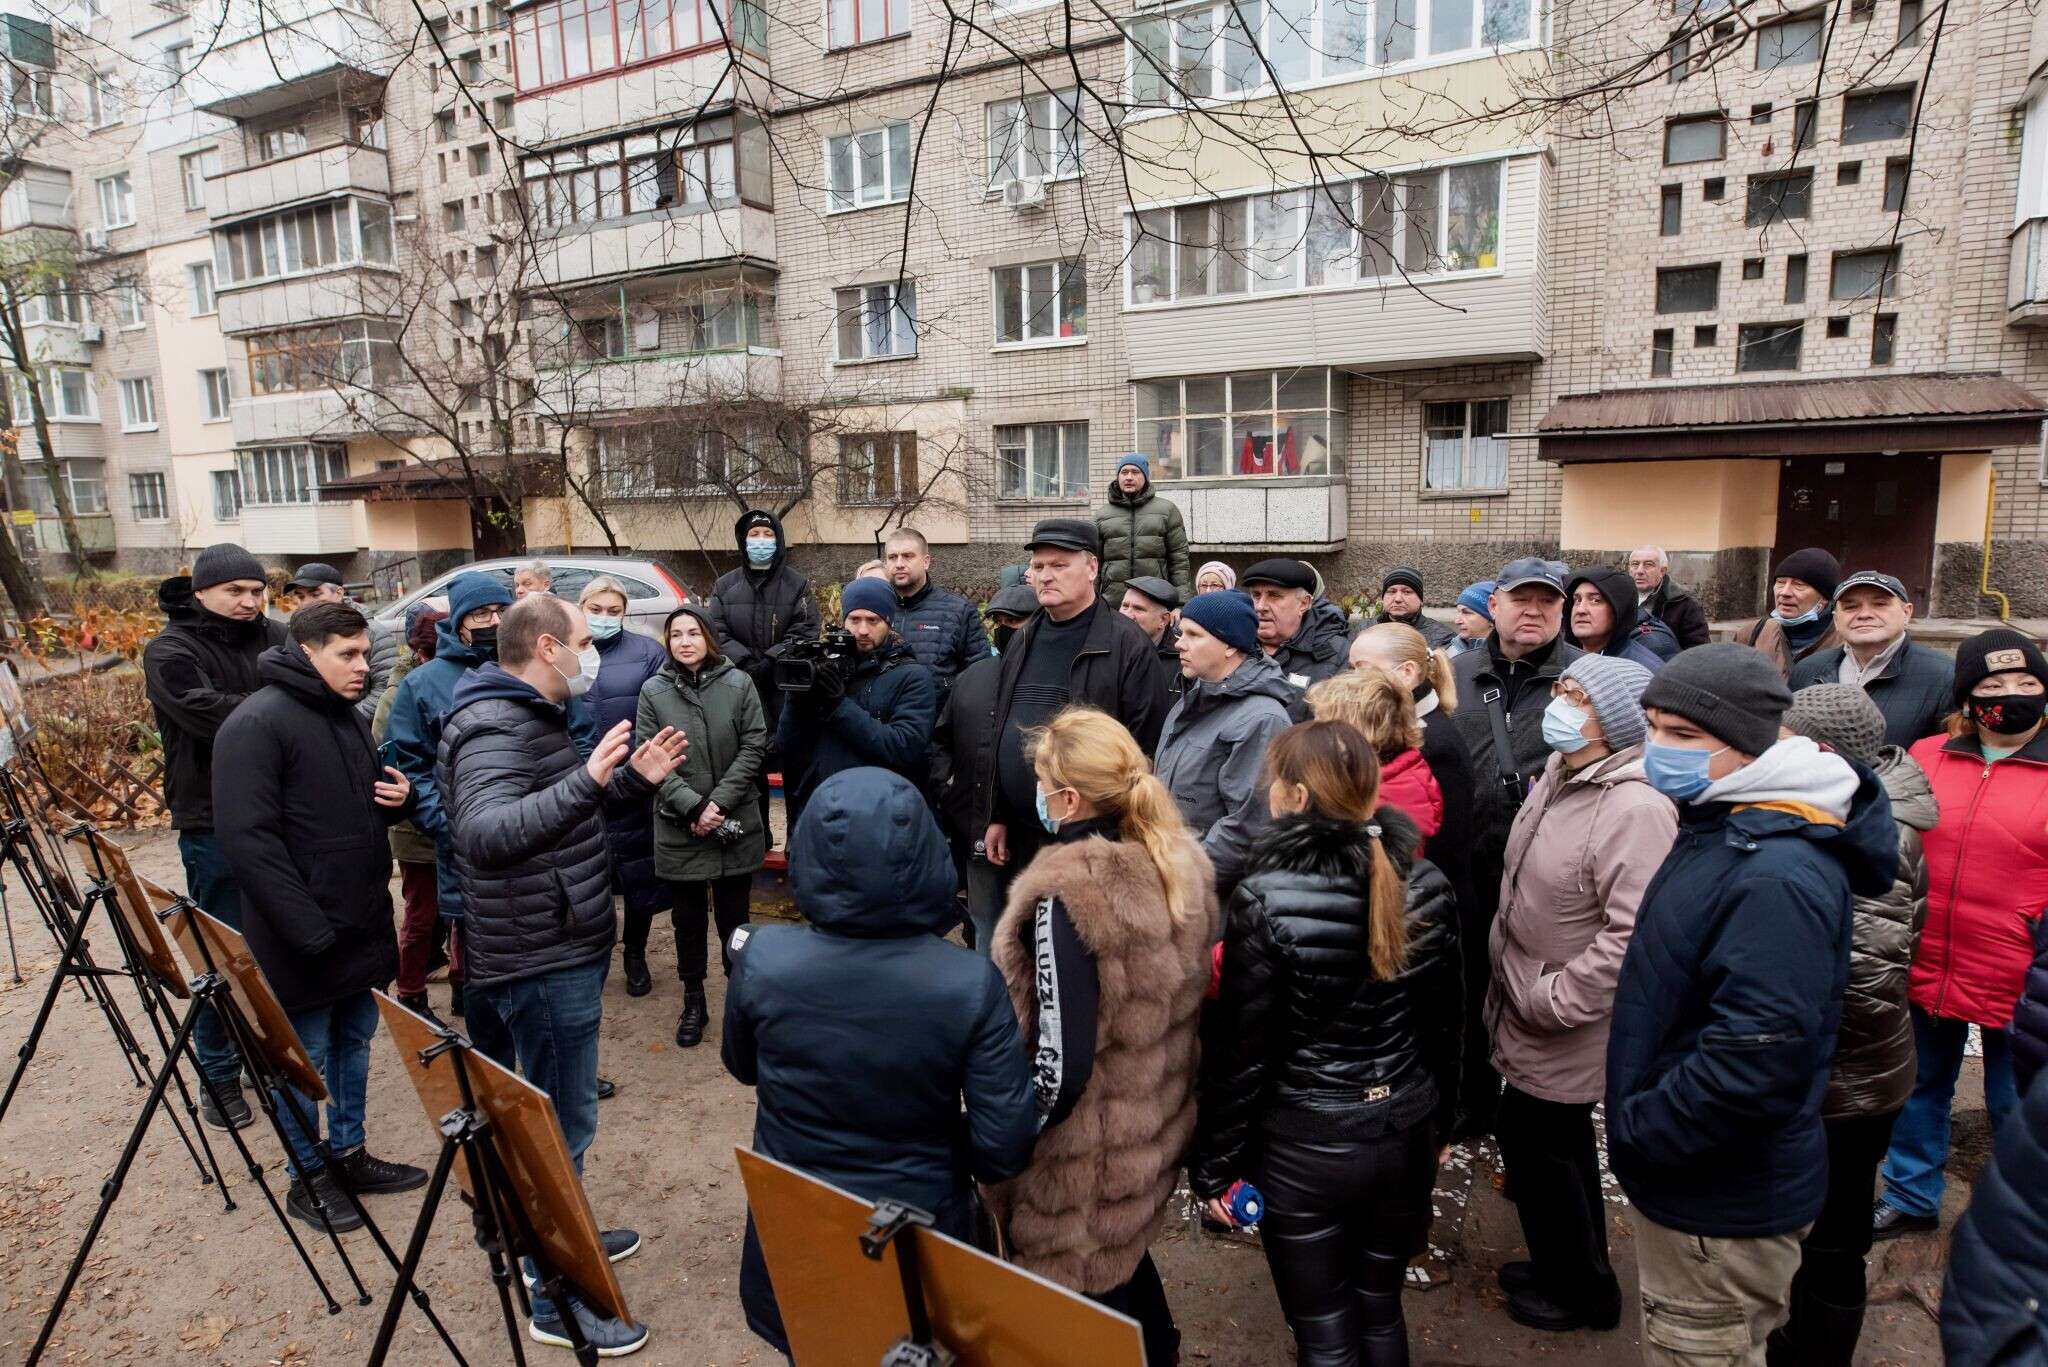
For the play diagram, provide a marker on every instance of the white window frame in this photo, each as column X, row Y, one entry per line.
column 138, row 403
column 295, row 470
column 840, row 36
column 45, row 98
column 1056, row 113
column 227, row 482
column 177, row 66
column 350, row 222
column 896, row 300
column 88, row 492
column 199, row 289
column 129, row 304
column 116, row 194
column 856, row 194
column 1021, row 449
column 1068, row 274
column 1463, row 487
column 206, row 162
column 54, row 404
column 147, row 489
column 105, row 106
column 216, row 394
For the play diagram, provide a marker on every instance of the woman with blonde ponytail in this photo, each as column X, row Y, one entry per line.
column 1104, row 944
column 1341, row 1021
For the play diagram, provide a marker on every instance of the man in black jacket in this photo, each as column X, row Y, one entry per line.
column 527, row 817
column 756, row 608
column 1305, row 634
column 1913, row 685
column 1401, row 601
column 962, row 746
column 1650, row 570
column 1076, row 650
column 942, row 629
column 301, row 808
column 197, row 672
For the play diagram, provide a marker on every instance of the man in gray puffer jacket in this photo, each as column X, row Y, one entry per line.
column 1874, row 1061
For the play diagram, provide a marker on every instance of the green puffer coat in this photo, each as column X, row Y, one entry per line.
column 1142, row 534
column 719, row 710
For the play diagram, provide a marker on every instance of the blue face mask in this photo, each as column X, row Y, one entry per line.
column 1562, row 725
column 760, row 549
column 1045, row 817
column 1678, row 773
column 604, row 628
column 1812, row 614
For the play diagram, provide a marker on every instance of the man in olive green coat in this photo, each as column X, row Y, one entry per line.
column 1142, row 534
column 708, row 837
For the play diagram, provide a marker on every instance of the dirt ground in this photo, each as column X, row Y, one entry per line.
column 174, row 1278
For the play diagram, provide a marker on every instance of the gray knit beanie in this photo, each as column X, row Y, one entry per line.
column 1731, row 691
column 1614, row 685
column 1840, row 717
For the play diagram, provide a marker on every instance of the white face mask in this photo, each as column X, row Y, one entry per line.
column 587, row 662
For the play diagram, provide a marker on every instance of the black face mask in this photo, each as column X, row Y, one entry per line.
column 2008, row 714
column 1001, row 636
column 484, row 641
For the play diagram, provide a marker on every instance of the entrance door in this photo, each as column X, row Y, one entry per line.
column 1869, row 512
column 491, row 531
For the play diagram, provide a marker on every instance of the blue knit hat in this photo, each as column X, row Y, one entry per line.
column 468, row 592
column 868, row 595
column 1228, row 615
column 1478, row 597
column 1133, row 458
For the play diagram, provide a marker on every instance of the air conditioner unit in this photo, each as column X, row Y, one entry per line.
column 91, row 333
column 96, row 239
column 1024, row 192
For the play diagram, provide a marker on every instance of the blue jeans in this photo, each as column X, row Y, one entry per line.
column 211, row 886
column 337, row 1036
column 1914, row 1175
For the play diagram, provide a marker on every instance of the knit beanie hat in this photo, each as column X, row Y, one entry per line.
column 472, row 590
column 1227, row 615
column 1615, row 686
column 1479, row 598
column 1811, row 566
column 1840, row 717
column 1994, row 652
column 868, row 595
column 1732, row 692
column 1402, row 574
column 1133, row 458
column 1223, row 572
column 224, row 563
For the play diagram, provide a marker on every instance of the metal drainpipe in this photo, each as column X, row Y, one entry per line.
column 1984, row 588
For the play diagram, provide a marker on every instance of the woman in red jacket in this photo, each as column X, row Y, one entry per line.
column 1987, row 882
column 1369, row 699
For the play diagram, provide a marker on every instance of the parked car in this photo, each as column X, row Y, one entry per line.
column 652, row 592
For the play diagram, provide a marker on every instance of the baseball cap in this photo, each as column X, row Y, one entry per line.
column 1532, row 569
column 1876, row 579
column 1066, row 533
column 313, row 574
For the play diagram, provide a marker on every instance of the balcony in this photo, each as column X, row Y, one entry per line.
column 303, row 528
column 37, row 197
column 588, row 254
column 346, row 292
column 2026, row 281
column 1299, row 515
column 58, row 343
column 314, row 415
column 670, row 381
column 95, row 530
column 279, row 184
column 269, row 57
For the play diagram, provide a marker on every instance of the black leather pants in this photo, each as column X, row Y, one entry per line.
column 1341, row 1219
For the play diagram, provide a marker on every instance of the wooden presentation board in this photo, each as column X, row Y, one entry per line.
column 232, row 958
column 136, row 901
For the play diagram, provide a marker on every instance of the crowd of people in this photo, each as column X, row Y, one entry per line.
column 1250, row 892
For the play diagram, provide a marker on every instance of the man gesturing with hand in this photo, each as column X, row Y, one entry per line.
column 526, row 814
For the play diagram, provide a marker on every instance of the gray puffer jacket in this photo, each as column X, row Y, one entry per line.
column 383, row 660
column 1211, row 756
column 527, row 827
column 1874, row 1060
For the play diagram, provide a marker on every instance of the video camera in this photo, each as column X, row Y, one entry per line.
column 797, row 662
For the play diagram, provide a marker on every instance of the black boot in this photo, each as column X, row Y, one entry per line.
column 690, row 1029
column 1817, row 1335
column 638, row 983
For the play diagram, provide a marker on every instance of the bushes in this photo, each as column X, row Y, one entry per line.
column 95, row 735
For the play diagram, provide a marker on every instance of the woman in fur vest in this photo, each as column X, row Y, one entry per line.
column 1105, row 946
column 1341, row 1022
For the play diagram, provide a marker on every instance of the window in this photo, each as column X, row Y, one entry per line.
column 1679, row 61
column 871, row 167
column 877, row 321
column 452, row 216
column 1752, row 268
column 1696, row 139
column 1909, row 23
column 677, row 170
column 1671, row 210
column 274, row 144
column 1462, row 445
column 1705, row 335
column 878, row 467
column 1429, row 222
column 1805, row 119
column 1768, row 346
column 1660, row 354
column 1849, row 173
column 227, row 496
column 336, row 233
column 1760, row 113
column 128, row 302
column 68, row 395
column 103, row 103
column 1838, row 326
column 727, row 318
column 1042, row 460
column 1714, row 189
column 1688, row 289
column 117, row 201
column 193, row 169
column 1777, row 199
column 1041, row 303
column 199, row 287
column 1884, row 337
column 138, row 405
column 661, row 459
column 568, row 40
column 1795, row 279
column 273, row 475
column 851, row 22
column 1258, row 422
column 31, row 91
column 1897, row 172
column 1034, row 137
column 84, row 480
column 366, row 125
column 214, row 395
column 60, row 304
column 1791, row 42
column 1857, row 275
column 357, row 353
column 444, row 126
column 480, row 159
column 1877, row 116
column 148, row 499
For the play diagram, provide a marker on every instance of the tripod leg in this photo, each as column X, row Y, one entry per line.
column 255, row 1171
column 437, row 1182
column 13, row 960
column 291, row 1099
column 42, row 1021
column 209, row 1167
column 212, row 1172
column 496, row 1238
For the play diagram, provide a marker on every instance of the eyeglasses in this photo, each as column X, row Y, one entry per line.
column 1571, row 693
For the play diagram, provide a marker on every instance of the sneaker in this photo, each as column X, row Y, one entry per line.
column 369, row 1176
column 341, row 1212
column 232, row 1113
column 638, row 981
column 612, row 1338
column 1887, row 1221
column 620, row 1244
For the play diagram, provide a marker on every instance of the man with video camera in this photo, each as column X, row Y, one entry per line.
column 855, row 696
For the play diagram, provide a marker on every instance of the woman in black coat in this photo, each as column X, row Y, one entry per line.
column 1341, row 1025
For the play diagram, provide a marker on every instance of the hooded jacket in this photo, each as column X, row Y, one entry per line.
column 414, row 735
column 1987, row 878
column 1406, row 782
column 1582, row 850
column 1992, row 1311
column 1309, row 1043
column 1212, row 757
column 1730, row 996
column 752, row 611
column 626, row 660
column 196, row 672
column 965, row 748
column 1638, row 638
column 944, row 632
column 526, row 827
column 717, row 708
column 1915, row 691
column 1142, row 534
column 1874, row 1057
column 885, row 720
column 1680, row 611
column 408, row 846
column 301, row 828
column 885, row 1060
column 383, row 660
column 1319, row 648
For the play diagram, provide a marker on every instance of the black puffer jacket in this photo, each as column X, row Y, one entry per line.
column 753, row 611
column 1309, row 1035
column 1993, row 1312
column 527, row 822
column 197, row 672
column 943, row 630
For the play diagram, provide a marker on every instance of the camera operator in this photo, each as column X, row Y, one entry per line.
column 867, row 701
